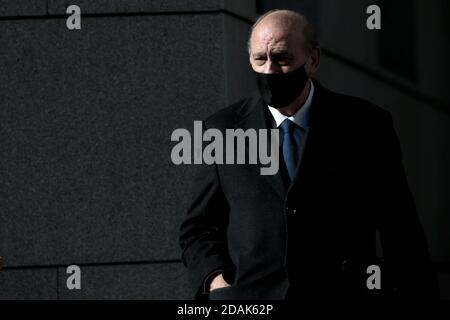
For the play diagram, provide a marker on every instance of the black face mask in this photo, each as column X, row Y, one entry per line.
column 281, row 89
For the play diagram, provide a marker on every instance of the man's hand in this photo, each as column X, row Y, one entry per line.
column 218, row 282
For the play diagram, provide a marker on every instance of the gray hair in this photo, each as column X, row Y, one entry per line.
column 310, row 34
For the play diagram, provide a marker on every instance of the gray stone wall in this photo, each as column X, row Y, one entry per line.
column 86, row 119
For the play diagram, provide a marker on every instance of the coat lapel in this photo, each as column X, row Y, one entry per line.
column 308, row 137
column 317, row 138
column 254, row 115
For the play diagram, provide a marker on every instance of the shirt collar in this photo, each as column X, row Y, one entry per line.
column 300, row 118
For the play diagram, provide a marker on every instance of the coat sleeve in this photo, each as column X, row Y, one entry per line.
column 203, row 231
column 405, row 249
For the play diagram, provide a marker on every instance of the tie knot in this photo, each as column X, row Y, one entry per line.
column 287, row 126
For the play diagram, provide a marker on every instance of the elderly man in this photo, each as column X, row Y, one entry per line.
column 310, row 230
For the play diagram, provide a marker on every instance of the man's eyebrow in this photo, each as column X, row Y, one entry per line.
column 259, row 54
column 281, row 52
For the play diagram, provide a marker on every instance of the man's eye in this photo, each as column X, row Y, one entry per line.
column 260, row 61
column 283, row 61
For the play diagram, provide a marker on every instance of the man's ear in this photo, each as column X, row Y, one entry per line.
column 315, row 59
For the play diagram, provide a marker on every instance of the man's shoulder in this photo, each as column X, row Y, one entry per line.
column 354, row 108
column 229, row 116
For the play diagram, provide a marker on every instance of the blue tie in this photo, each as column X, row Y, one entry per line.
column 289, row 146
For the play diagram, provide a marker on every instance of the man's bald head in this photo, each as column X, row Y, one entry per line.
column 281, row 41
column 289, row 22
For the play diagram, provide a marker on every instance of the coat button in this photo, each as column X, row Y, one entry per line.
column 290, row 210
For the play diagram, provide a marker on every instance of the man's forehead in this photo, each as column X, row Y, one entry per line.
column 281, row 49
column 275, row 42
column 275, row 35
column 271, row 34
